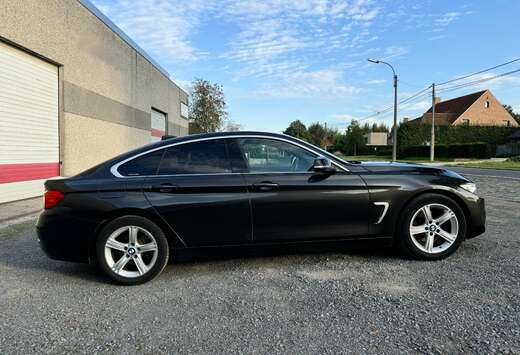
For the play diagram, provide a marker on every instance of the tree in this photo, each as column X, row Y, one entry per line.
column 232, row 126
column 298, row 130
column 207, row 106
column 515, row 115
column 354, row 137
column 317, row 134
column 194, row 128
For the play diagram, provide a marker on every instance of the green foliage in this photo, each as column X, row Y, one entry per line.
column 515, row 115
column 207, row 107
column 298, row 130
column 353, row 142
column 464, row 150
column 316, row 134
column 515, row 159
column 194, row 128
column 416, row 134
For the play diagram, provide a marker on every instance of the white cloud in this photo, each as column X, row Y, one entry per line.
column 447, row 18
column 395, row 51
column 437, row 37
column 376, row 82
column 344, row 117
column 319, row 85
column 162, row 27
column 284, row 31
column 482, row 82
column 417, row 106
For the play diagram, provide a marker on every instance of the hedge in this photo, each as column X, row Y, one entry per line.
column 418, row 134
column 468, row 150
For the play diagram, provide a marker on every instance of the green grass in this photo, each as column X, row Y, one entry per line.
column 389, row 158
column 506, row 165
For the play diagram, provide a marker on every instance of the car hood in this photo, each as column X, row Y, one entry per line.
column 401, row 167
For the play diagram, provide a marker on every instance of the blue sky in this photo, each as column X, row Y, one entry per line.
column 281, row 60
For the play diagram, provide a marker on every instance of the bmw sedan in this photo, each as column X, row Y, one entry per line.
column 129, row 214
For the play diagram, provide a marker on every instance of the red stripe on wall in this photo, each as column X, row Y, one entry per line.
column 26, row 172
column 157, row 133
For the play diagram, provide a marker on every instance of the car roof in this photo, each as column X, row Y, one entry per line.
column 104, row 167
column 188, row 138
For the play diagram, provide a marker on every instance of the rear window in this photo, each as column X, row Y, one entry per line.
column 196, row 158
column 145, row 165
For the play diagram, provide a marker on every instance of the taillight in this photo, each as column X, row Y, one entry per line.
column 52, row 198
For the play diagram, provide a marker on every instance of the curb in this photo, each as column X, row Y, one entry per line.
column 18, row 220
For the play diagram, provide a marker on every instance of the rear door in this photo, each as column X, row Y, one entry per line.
column 199, row 196
column 289, row 201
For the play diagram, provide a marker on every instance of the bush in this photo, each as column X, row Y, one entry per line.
column 417, row 134
column 479, row 150
column 515, row 159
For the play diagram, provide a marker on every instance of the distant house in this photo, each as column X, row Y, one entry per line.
column 376, row 139
column 477, row 109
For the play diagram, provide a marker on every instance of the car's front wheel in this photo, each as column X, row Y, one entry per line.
column 432, row 227
column 132, row 250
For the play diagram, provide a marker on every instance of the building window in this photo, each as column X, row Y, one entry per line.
column 507, row 123
column 486, row 105
column 465, row 122
column 184, row 110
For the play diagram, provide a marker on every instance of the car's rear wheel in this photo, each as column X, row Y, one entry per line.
column 132, row 250
column 432, row 227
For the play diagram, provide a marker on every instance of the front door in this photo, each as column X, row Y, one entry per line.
column 289, row 201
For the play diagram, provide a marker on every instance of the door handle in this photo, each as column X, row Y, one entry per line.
column 265, row 186
column 166, row 187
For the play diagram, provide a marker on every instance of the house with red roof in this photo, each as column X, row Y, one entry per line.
column 478, row 109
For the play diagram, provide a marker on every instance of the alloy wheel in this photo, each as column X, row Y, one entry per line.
column 131, row 251
column 434, row 228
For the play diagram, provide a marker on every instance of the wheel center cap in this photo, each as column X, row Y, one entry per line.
column 433, row 228
column 131, row 251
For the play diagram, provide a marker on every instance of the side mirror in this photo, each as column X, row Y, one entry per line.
column 323, row 165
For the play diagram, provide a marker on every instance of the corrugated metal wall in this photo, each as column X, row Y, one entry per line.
column 29, row 136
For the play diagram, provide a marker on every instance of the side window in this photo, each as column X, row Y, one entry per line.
column 269, row 155
column 204, row 157
column 144, row 165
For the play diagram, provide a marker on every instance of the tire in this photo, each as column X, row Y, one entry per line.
column 132, row 250
column 443, row 236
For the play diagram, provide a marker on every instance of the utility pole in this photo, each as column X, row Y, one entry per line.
column 394, row 133
column 394, row 140
column 432, row 143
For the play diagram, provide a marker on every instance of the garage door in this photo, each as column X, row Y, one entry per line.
column 158, row 125
column 29, row 144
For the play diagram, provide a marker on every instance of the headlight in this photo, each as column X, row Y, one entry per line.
column 471, row 187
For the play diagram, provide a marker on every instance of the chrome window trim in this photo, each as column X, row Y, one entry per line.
column 385, row 209
column 115, row 172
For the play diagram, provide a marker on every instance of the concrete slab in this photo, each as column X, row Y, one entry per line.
column 18, row 209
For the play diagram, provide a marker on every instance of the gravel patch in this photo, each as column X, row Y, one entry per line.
column 369, row 301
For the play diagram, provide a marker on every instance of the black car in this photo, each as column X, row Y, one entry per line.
column 248, row 188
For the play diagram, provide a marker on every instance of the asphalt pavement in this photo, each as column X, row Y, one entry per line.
column 324, row 301
column 512, row 174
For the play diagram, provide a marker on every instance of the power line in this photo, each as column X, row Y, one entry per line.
column 403, row 101
column 476, row 82
column 479, row 72
column 423, row 93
